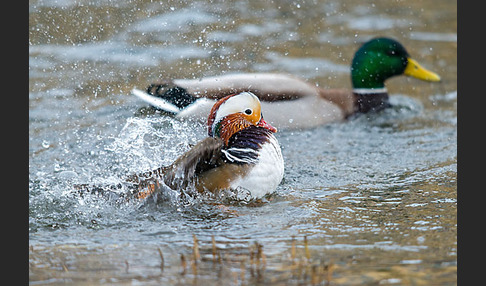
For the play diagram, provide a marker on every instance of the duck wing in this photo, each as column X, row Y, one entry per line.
column 183, row 172
column 204, row 156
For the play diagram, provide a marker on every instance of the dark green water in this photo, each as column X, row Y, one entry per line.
column 375, row 197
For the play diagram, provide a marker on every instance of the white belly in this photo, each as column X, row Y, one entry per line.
column 265, row 176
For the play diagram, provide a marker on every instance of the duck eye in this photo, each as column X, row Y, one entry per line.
column 248, row 111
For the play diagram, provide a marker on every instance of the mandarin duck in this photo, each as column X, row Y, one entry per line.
column 240, row 154
column 290, row 102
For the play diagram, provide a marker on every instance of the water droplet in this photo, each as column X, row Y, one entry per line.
column 57, row 167
column 46, row 144
column 68, row 175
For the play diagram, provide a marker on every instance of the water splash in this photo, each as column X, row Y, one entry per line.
column 148, row 143
column 144, row 143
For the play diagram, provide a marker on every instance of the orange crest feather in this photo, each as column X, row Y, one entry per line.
column 212, row 113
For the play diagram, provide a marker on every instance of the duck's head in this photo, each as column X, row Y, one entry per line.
column 234, row 113
column 381, row 58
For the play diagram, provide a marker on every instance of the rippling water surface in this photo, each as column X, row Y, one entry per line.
column 363, row 202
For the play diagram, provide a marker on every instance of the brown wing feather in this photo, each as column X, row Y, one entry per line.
column 267, row 86
column 204, row 156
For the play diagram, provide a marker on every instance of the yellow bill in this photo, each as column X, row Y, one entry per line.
column 415, row 70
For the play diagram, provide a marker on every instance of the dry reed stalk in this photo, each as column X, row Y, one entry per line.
column 195, row 249
column 306, row 246
column 183, row 264
column 214, row 247
column 292, row 250
column 161, row 259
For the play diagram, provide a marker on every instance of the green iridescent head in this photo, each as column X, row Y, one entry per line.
column 381, row 58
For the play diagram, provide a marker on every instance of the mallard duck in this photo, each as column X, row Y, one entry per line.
column 240, row 154
column 290, row 102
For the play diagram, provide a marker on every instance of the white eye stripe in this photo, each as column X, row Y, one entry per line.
column 235, row 103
